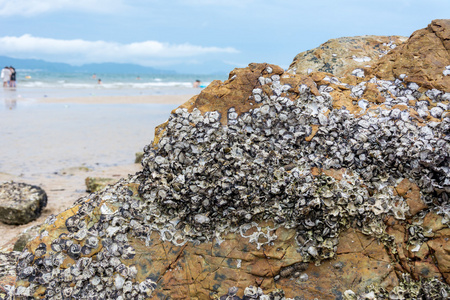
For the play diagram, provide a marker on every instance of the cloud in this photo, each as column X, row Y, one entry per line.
column 80, row 51
column 36, row 7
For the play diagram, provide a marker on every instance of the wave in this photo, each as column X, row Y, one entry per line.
column 29, row 70
column 105, row 85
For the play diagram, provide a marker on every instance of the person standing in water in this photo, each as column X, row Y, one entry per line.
column 12, row 82
column 6, row 76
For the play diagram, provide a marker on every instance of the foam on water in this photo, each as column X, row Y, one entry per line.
column 35, row 84
column 112, row 85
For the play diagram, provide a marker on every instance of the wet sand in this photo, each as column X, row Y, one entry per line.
column 52, row 142
column 153, row 99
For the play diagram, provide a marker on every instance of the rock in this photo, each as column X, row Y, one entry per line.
column 94, row 184
column 139, row 156
column 271, row 185
column 26, row 236
column 21, row 203
column 423, row 58
column 373, row 94
column 418, row 256
column 342, row 56
column 411, row 193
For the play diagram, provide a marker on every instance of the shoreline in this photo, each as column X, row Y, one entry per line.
column 141, row 99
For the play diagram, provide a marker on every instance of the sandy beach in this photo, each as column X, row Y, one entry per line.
column 60, row 155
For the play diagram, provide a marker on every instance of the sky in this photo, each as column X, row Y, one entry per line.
column 198, row 36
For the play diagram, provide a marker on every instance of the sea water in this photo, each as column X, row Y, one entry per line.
column 34, row 84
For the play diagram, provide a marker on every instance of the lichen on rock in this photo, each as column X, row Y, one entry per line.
column 343, row 55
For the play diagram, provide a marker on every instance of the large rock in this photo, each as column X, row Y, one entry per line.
column 269, row 185
column 342, row 56
column 21, row 203
column 424, row 58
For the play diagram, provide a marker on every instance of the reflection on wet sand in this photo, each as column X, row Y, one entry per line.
column 10, row 103
column 10, row 98
column 37, row 138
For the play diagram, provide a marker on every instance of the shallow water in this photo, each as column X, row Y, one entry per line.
column 39, row 83
column 43, row 138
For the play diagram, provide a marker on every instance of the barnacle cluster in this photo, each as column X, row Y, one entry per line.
column 258, row 167
column 202, row 179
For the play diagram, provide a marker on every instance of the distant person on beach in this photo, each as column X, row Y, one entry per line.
column 94, row 76
column 12, row 82
column 99, row 81
column 6, row 76
column 196, row 84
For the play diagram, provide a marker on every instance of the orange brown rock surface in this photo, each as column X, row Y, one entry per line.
column 423, row 58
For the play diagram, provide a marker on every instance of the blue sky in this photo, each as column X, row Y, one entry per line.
column 198, row 36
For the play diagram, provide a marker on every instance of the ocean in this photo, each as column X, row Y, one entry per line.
column 32, row 84
column 40, row 139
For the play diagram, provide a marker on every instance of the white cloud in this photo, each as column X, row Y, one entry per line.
column 80, row 51
column 36, row 7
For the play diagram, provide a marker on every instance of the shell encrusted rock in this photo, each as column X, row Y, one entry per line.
column 270, row 185
column 262, row 183
column 21, row 203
